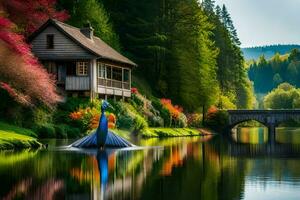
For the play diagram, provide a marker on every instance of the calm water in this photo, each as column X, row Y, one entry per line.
column 245, row 166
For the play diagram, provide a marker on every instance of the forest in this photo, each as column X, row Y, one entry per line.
column 190, row 64
column 186, row 51
column 268, row 74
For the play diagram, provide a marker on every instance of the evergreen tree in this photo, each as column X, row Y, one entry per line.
column 268, row 74
column 208, row 6
column 93, row 11
column 218, row 12
column 187, row 51
column 228, row 23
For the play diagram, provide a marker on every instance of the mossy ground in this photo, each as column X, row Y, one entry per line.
column 13, row 137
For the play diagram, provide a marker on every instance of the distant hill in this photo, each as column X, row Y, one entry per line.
column 268, row 51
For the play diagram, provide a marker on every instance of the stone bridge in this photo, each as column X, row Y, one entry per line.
column 269, row 118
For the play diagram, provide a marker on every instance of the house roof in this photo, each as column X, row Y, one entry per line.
column 96, row 46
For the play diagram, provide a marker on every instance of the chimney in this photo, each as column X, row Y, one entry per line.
column 87, row 30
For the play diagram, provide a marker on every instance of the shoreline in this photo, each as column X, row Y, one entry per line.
column 16, row 138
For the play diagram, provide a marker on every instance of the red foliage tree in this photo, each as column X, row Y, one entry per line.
column 21, row 75
column 28, row 15
column 174, row 110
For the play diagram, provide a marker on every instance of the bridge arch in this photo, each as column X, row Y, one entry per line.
column 269, row 118
column 265, row 117
column 234, row 124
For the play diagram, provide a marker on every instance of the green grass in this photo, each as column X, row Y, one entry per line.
column 15, row 129
column 13, row 137
column 161, row 132
column 123, row 133
column 171, row 132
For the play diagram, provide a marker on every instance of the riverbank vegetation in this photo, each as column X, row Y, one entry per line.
column 13, row 137
column 285, row 96
column 172, row 88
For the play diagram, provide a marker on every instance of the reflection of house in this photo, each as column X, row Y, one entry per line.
column 82, row 63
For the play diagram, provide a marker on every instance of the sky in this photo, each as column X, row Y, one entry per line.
column 265, row 22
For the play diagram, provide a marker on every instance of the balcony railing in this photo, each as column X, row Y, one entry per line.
column 113, row 83
column 77, row 83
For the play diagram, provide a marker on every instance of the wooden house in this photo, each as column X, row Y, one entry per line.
column 82, row 63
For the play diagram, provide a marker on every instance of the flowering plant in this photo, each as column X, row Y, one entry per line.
column 89, row 118
column 174, row 110
column 134, row 90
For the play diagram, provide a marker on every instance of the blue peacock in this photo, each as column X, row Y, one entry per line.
column 102, row 137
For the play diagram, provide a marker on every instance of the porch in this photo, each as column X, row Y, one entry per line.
column 91, row 75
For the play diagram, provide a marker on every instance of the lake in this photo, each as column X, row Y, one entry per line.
column 244, row 166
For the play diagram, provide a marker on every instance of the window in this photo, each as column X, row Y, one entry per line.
column 126, row 75
column 82, row 68
column 117, row 74
column 101, row 70
column 50, row 41
column 108, row 72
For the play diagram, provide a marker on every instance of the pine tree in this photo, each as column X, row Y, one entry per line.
column 228, row 23
column 94, row 12
column 218, row 12
column 208, row 6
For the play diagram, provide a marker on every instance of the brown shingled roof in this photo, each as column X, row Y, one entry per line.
column 95, row 46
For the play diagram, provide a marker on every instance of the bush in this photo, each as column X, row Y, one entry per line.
column 194, row 120
column 136, row 100
column 73, row 132
column 61, row 131
column 182, row 121
column 217, row 121
column 164, row 113
column 124, row 122
column 129, row 118
column 74, row 103
column 45, row 131
column 61, row 116
column 156, row 121
column 42, row 115
column 139, row 123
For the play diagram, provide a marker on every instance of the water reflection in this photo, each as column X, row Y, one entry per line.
column 186, row 168
column 246, row 135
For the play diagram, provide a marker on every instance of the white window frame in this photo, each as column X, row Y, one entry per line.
column 82, row 68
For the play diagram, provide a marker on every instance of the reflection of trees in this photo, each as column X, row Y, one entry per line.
column 11, row 158
column 182, row 169
column 257, row 135
column 25, row 189
column 34, row 173
column 203, row 174
column 179, row 171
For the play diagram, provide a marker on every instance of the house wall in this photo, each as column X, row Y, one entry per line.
column 64, row 47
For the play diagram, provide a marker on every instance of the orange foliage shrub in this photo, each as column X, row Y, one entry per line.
column 94, row 121
column 212, row 111
column 174, row 110
column 112, row 118
column 90, row 118
column 76, row 115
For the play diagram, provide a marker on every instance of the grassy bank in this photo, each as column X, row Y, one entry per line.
column 164, row 132
column 171, row 132
column 13, row 137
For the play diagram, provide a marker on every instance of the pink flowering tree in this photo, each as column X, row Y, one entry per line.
column 28, row 15
column 21, row 75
